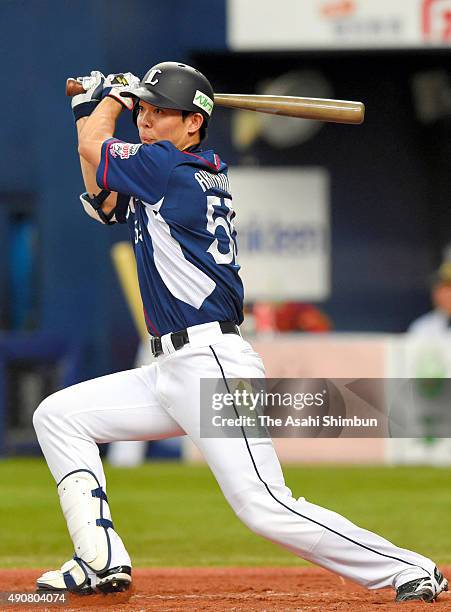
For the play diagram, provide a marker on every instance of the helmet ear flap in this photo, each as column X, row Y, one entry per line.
column 135, row 112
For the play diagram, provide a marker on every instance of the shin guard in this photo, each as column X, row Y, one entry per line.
column 85, row 507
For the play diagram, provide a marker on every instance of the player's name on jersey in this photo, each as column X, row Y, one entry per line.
column 265, row 420
column 208, row 180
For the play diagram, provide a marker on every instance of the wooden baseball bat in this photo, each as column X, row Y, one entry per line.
column 321, row 109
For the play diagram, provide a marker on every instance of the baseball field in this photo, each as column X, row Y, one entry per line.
column 191, row 553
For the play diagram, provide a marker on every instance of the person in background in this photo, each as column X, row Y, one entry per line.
column 438, row 320
column 270, row 317
column 301, row 317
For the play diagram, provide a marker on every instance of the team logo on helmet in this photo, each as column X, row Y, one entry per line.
column 151, row 80
column 203, row 101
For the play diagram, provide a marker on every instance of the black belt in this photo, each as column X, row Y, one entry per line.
column 180, row 338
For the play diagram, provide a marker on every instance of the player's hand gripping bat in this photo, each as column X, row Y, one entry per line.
column 335, row 111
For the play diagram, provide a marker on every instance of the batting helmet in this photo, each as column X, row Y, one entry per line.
column 177, row 86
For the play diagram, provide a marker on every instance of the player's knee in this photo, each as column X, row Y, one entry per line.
column 256, row 523
column 47, row 414
column 256, row 520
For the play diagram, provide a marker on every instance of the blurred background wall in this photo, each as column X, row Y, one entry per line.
column 388, row 216
column 71, row 276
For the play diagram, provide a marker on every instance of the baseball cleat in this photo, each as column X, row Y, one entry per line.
column 73, row 577
column 423, row 589
column 114, row 580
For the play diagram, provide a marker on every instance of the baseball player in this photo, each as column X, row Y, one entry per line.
column 175, row 198
column 437, row 322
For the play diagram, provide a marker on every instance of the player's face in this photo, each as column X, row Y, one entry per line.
column 156, row 124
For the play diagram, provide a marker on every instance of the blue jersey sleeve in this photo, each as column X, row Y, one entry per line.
column 140, row 170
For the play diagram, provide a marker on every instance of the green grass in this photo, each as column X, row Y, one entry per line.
column 174, row 515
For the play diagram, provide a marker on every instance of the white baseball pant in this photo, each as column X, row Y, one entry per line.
column 162, row 400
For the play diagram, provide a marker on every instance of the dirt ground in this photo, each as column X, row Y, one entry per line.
column 232, row 589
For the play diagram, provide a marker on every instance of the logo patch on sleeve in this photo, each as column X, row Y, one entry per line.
column 124, row 150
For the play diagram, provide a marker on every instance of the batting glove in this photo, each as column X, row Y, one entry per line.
column 83, row 104
column 116, row 83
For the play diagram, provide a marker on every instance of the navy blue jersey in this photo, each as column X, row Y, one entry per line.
column 180, row 218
